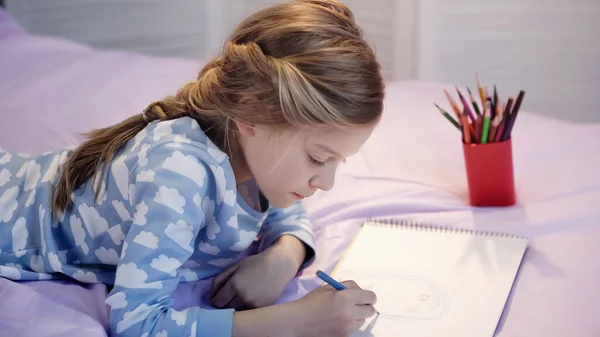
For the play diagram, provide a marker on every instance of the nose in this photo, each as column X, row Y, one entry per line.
column 324, row 180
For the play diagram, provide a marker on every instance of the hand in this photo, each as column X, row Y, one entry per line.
column 336, row 313
column 258, row 280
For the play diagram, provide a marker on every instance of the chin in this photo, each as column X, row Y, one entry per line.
column 282, row 201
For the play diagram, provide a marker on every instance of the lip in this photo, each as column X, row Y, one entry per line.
column 298, row 196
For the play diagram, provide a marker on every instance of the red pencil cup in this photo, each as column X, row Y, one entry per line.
column 490, row 173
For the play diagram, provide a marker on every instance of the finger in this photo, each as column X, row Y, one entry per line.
column 234, row 302
column 238, row 303
column 364, row 297
column 350, row 284
column 220, row 279
column 363, row 311
column 224, row 295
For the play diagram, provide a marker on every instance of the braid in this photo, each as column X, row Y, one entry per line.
column 304, row 63
column 298, row 98
column 154, row 111
column 102, row 144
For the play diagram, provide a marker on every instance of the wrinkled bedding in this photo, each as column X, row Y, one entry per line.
column 412, row 169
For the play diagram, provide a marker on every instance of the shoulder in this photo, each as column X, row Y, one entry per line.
column 175, row 134
column 177, row 156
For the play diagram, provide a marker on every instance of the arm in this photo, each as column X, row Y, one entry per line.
column 273, row 320
column 166, row 222
column 289, row 231
column 285, row 246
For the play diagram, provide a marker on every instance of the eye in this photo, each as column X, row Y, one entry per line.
column 316, row 162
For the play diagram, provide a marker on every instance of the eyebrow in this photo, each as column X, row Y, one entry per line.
column 328, row 149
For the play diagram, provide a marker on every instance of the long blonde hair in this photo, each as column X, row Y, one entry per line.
column 305, row 61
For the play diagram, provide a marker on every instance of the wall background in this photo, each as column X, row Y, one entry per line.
column 550, row 48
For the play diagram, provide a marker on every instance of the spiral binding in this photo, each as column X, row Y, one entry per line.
column 412, row 225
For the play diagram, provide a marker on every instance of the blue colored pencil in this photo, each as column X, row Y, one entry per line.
column 335, row 284
column 323, row 276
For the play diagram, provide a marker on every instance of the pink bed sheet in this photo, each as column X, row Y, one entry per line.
column 53, row 90
column 411, row 169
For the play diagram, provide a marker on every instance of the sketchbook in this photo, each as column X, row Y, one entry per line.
column 430, row 280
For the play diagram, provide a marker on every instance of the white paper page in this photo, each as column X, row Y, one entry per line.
column 432, row 283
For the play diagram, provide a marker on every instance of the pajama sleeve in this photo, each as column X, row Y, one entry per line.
column 168, row 215
column 292, row 220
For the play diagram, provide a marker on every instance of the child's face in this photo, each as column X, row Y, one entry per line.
column 292, row 164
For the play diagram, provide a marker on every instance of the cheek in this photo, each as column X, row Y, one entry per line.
column 261, row 156
column 293, row 171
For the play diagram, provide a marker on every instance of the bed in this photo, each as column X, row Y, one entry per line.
column 411, row 169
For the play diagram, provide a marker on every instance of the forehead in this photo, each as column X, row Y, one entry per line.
column 345, row 141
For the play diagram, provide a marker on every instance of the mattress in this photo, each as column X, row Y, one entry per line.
column 411, row 169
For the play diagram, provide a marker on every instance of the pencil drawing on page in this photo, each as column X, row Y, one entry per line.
column 406, row 298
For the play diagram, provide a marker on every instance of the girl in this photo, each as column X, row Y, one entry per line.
column 176, row 193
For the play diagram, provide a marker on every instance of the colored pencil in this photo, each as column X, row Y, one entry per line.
column 499, row 107
column 493, row 129
column 501, row 127
column 467, row 128
column 458, row 111
column 459, row 115
column 490, row 122
column 335, row 284
column 453, row 104
column 499, row 132
column 488, row 106
column 462, row 129
column 448, row 117
column 509, row 105
column 488, row 98
column 495, row 101
column 508, row 128
column 466, row 106
column 475, row 105
column 471, row 126
column 481, row 91
column 498, row 119
column 486, row 127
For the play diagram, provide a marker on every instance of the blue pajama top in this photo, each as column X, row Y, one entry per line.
column 168, row 212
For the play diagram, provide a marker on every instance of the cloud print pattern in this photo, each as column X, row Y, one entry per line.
column 168, row 212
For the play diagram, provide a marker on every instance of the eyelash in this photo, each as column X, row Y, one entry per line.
column 316, row 162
